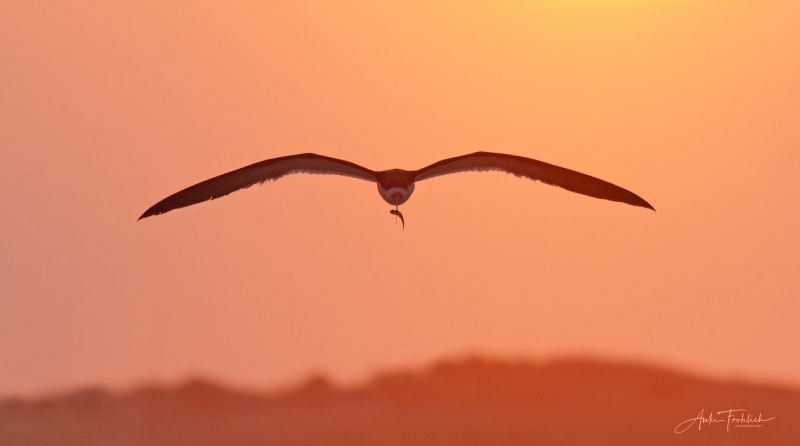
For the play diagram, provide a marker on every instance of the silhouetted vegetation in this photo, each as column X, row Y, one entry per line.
column 466, row 402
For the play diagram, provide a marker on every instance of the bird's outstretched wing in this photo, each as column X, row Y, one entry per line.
column 269, row 170
column 534, row 170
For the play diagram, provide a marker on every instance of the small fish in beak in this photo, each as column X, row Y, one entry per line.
column 397, row 213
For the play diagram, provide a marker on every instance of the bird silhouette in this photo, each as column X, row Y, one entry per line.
column 396, row 185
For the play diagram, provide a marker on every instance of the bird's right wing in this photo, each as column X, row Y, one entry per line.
column 534, row 170
column 269, row 170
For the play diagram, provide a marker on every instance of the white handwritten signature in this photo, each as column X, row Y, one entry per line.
column 736, row 418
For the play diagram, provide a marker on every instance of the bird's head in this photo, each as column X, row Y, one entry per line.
column 396, row 195
column 395, row 186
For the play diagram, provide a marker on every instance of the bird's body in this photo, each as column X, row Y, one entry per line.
column 396, row 185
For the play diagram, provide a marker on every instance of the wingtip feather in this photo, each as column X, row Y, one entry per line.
column 149, row 213
column 646, row 205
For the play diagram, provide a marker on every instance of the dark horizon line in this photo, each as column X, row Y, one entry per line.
column 317, row 379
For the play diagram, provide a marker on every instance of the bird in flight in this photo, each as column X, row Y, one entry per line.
column 396, row 185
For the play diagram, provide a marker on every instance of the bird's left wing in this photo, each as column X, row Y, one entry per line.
column 534, row 170
column 258, row 173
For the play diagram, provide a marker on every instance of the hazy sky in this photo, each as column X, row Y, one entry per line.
column 107, row 107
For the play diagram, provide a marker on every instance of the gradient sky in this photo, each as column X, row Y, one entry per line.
column 106, row 107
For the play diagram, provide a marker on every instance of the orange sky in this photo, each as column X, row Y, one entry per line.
column 107, row 107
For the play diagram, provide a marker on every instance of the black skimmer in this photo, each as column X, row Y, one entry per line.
column 396, row 185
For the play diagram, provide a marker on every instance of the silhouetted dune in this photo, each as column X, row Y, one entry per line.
column 467, row 402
